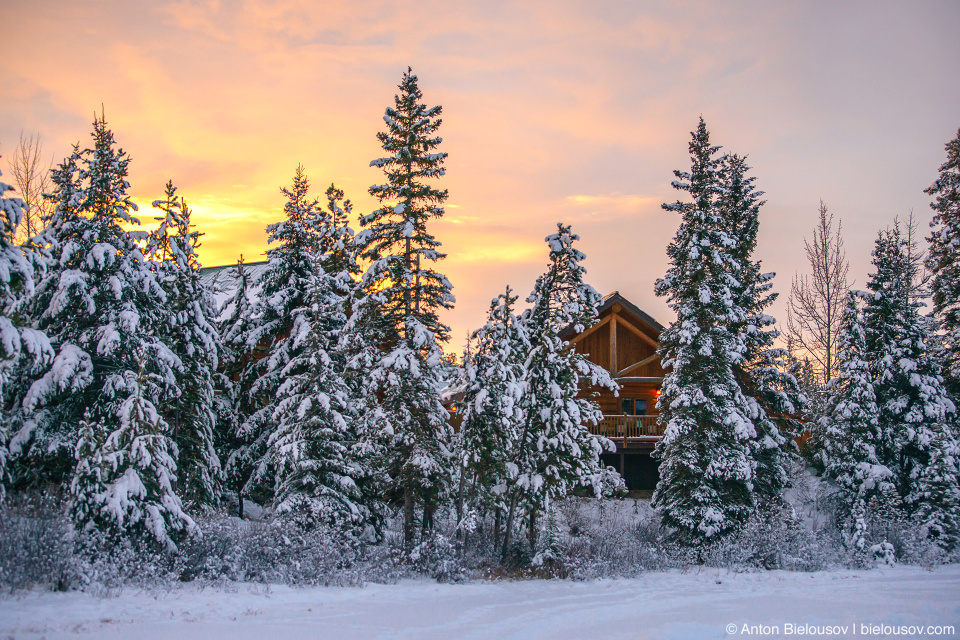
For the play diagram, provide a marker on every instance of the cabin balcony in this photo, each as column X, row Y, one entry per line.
column 629, row 430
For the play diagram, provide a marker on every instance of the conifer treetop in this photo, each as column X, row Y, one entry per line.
column 395, row 239
column 106, row 175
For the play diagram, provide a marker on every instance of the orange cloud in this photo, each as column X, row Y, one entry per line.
column 568, row 110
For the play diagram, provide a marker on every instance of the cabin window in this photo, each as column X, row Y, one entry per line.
column 633, row 407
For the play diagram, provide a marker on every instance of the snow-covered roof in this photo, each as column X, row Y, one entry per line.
column 616, row 298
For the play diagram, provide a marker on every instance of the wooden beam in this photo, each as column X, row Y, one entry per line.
column 637, row 365
column 613, row 340
column 640, row 334
column 590, row 330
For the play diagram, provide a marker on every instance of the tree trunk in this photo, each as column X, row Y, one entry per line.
column 427, row 523
column 408, row 514
column 532, row 531
column 407, row 284
column 508, row 527
column 460, row 491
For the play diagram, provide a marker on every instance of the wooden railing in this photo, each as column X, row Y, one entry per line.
column 629, row 428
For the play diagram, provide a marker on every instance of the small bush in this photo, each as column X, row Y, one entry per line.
column 580, row 538
column 35, row 545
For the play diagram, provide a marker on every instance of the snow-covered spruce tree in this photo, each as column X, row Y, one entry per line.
column 914, row 411
column 234, row 404
column 492, row 409
column 324, row 472
column 849, row 431
column 123, row 484
column 101, row 304
column 555, row 451
column 38, row 455
column 707, row 468
column 189, row 331
column 408, row 294
column 943, row 260
column 939, row 510
column 23, row 350
column 284, row 288
column 773, row 396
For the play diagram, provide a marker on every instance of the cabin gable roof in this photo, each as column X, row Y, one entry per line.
column 623, row 341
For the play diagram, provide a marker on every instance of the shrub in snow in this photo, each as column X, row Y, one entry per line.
column 549, row 549
column 612, row 484
column 437, row 557
column 883, row 553
column 280, row 552
column 35, row 545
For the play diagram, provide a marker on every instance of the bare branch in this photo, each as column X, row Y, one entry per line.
column 817, row 300
column 31, row 176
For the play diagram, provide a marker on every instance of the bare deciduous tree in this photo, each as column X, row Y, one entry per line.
column 817, row 300
column 32, row 177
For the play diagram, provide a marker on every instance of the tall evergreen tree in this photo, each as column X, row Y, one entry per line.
column 493, row 416
column 555, row 452
column 708, row 469
column 325, row 474
column 850, row 430
column 234, row 402
column 102, row 305
column 913, row 407
column 408, row 294
column 189, row 331
column 42, row 455
column 943, row 260
column 284, row 288
column 23, row 350
column 773, row 396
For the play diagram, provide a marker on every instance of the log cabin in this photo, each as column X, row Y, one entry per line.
column 624, row 341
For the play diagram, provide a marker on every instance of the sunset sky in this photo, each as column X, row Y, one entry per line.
column 552, row 111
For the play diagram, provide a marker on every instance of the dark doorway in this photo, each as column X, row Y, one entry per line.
column 640, row 470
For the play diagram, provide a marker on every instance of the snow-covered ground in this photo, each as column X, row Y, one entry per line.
column 674, row 604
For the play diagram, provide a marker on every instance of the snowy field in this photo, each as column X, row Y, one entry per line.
column 674, row 604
